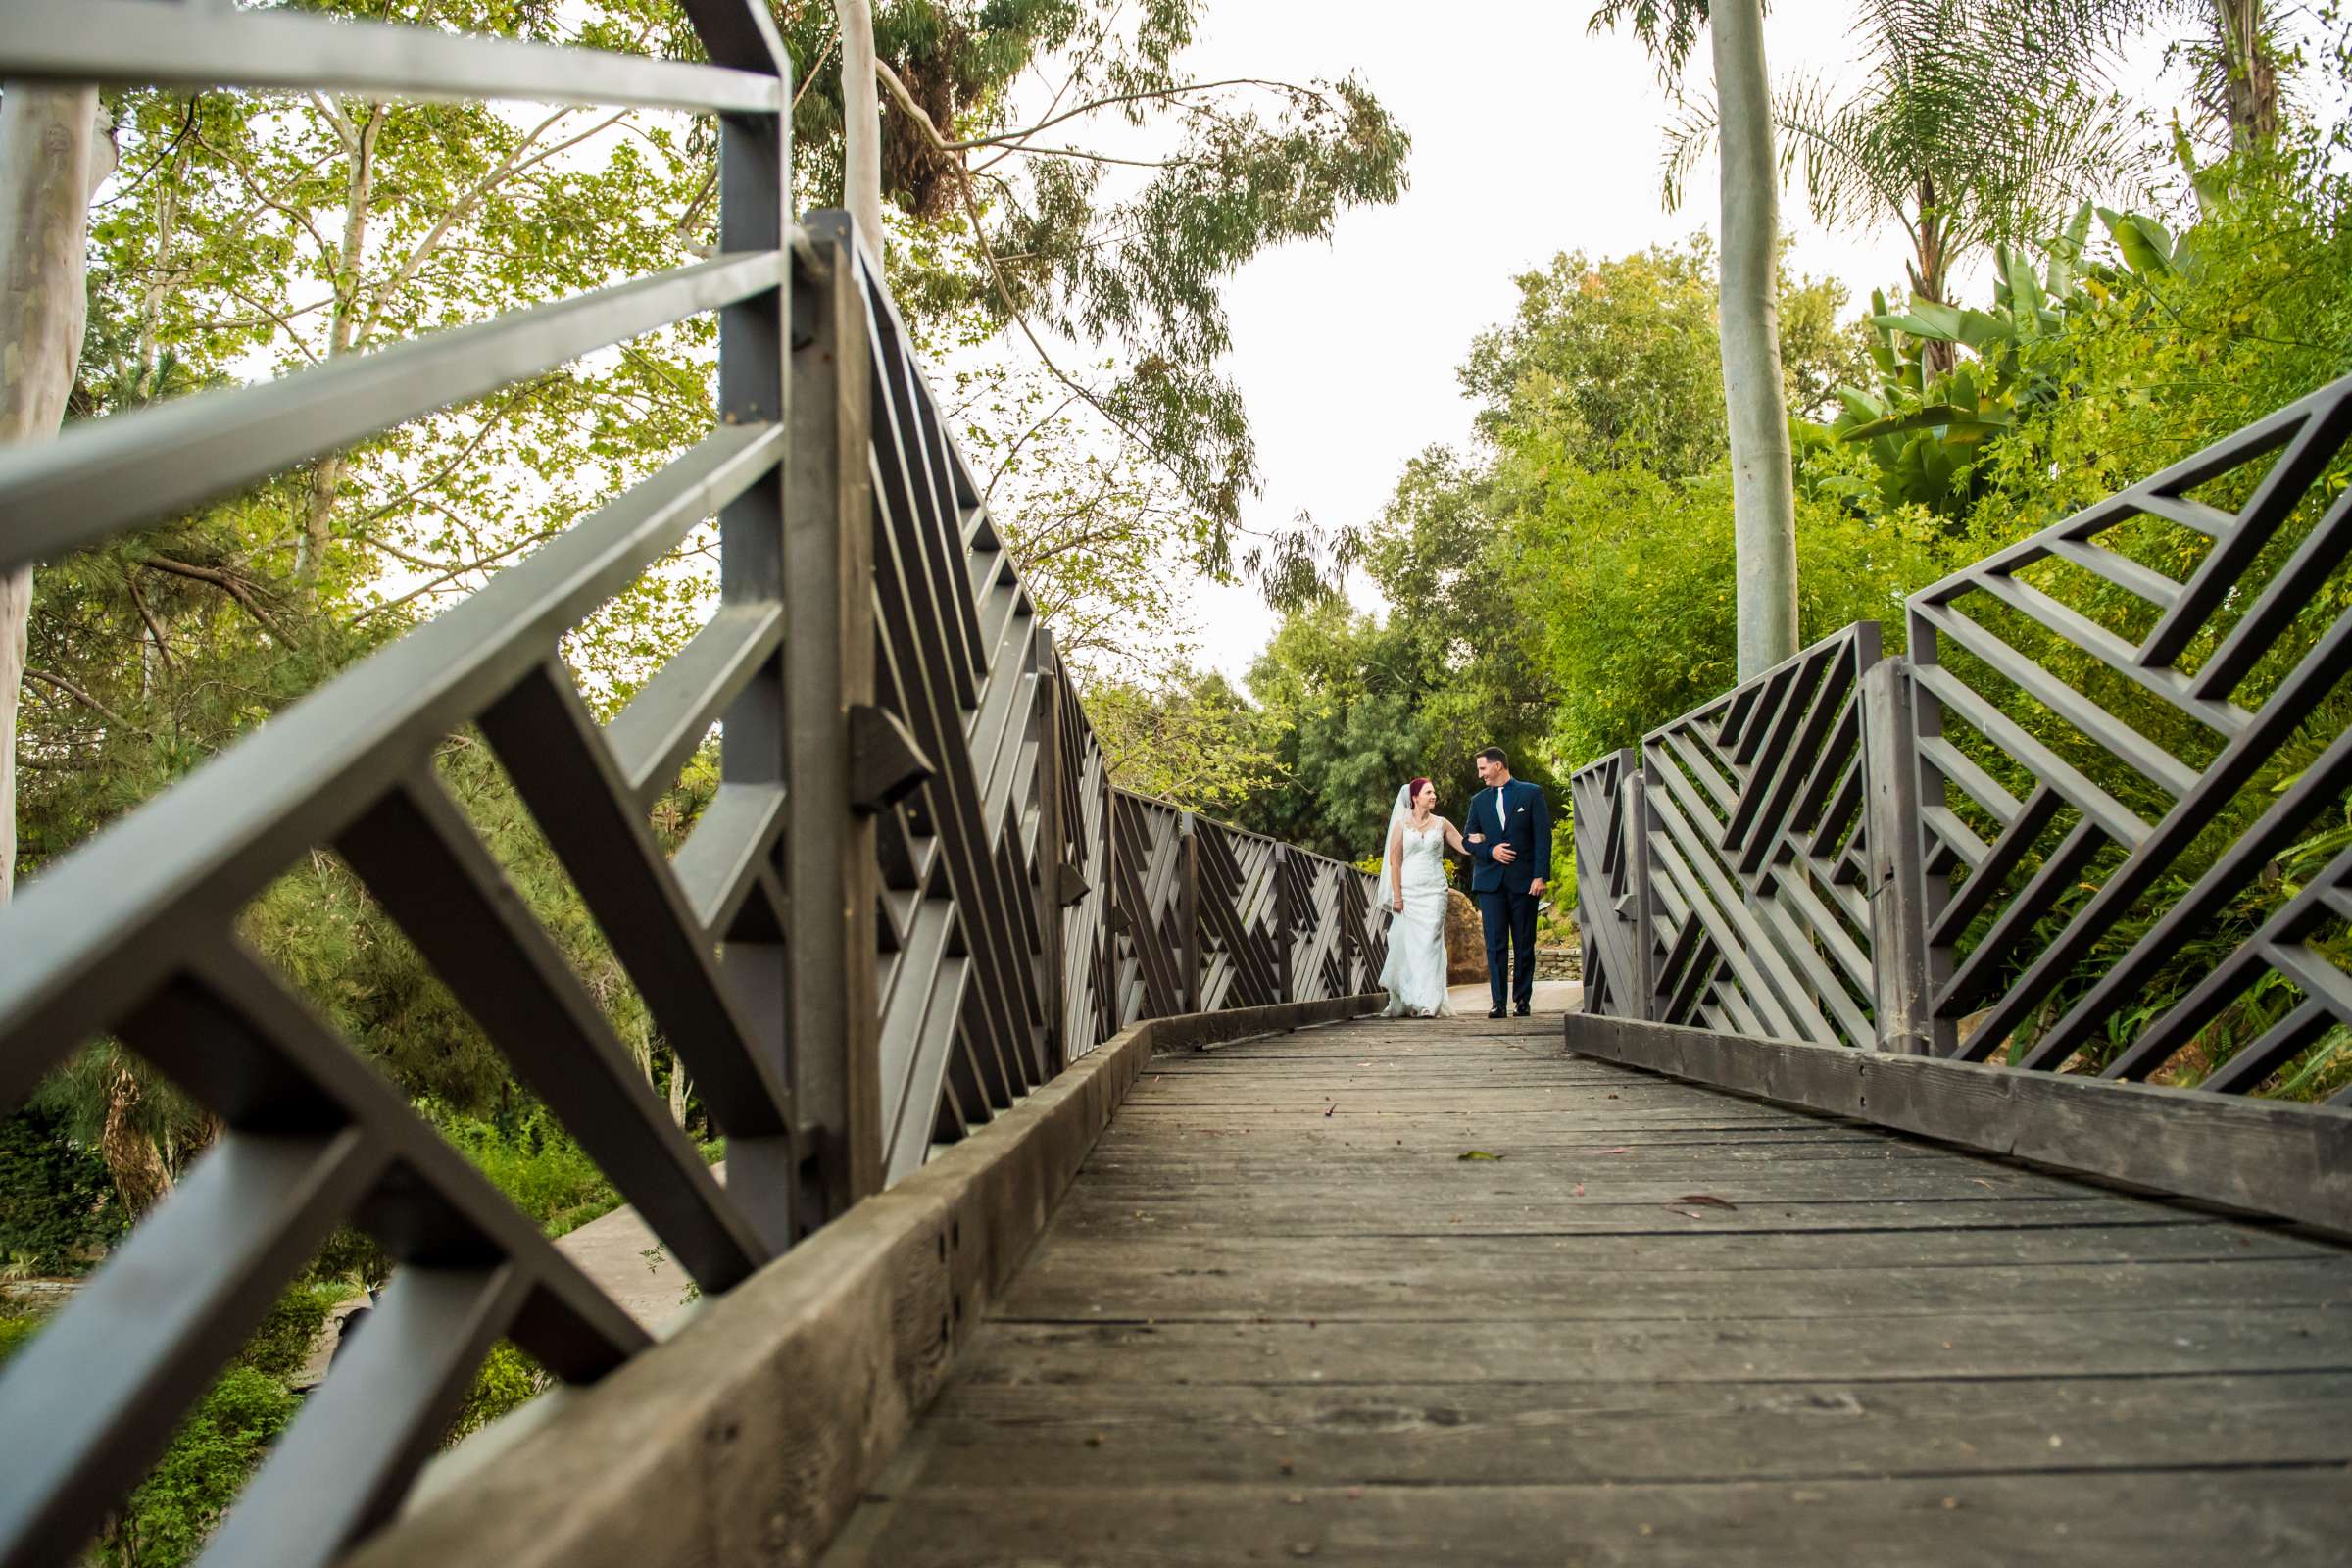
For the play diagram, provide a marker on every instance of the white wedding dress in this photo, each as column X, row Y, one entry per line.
column 1415, row 974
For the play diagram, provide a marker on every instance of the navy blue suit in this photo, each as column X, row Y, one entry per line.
column 1519, row 815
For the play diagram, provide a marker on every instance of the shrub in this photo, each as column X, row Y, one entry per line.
column 57, row 1207
column 535, row 1162
column 167, row 1520
column 508, row 1379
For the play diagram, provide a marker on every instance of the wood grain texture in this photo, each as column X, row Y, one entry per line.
column 1278, row 1315
column 2290, row 1161
column 748, row 1436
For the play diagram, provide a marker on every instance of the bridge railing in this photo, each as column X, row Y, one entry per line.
column 914, row 898
column 2105, row 756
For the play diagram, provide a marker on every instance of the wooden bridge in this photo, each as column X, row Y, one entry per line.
column 1075, row 1211
column 1279, row 1315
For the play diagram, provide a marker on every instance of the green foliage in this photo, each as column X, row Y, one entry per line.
column 1191, row 739
column 15, row 1332
column 282, row 1343
column 1972, row 125
column 507, row 1381
column 1952, row 378
column 58, row 1208
column 1088, row 242
column 1618, row 362
column 221, row 1442
column 535, row 1162
column 1638, row 571
column 1605, row 385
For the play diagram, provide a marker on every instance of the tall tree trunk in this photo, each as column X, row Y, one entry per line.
column 861, row 120
column 342, row 335
column 56, row 149
column 1763, row 484
column 1931, row 270
column 2250, row 76
column 137, row 1166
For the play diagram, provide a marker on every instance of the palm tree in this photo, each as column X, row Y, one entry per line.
column 1763, row 484
column 1978, row 122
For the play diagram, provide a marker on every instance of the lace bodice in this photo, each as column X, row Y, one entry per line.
column 1424, row 862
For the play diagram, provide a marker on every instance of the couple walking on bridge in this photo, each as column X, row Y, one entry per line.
column 1506, row 835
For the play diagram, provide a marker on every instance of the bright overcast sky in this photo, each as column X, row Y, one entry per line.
column 1530, row 136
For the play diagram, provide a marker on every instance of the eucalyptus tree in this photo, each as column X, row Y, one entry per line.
column 1763, row 483
column 1055, row 169
column 860, row 118
column 56, row 149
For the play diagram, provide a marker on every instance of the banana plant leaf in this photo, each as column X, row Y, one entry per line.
column 2146, row 245
column 1957, row 424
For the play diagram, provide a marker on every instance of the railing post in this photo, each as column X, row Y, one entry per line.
column 1188, row 907
column 1634, row 825
column 1115, row 907
column 1897, row 888
column 831, row 874
column 1285, row 983
column 755, row 386
column 1048, row 861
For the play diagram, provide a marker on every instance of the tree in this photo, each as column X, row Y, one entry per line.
column 861, row 120
column 292, row 229
column 2238, row 70
column 56, row 149
column 1762, row 478
column 1111, row 214
column 1619, row 360
column 1973, row 129
column 1189, row 738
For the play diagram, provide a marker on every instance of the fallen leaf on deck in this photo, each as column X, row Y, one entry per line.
column 1476, row 1153
column 1687, row 1214
column 1328, row 1110
column 1982, row 1182
column 1707, row 1200
column 1579, row 1191
column 1619, row 1149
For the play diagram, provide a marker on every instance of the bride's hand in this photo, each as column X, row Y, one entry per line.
column 1396, row 904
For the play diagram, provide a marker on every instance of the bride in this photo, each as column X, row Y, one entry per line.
column 1413, row 874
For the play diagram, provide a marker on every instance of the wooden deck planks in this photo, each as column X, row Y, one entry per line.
column 1258, row 1332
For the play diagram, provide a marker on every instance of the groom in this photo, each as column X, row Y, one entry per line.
column 1508, row 831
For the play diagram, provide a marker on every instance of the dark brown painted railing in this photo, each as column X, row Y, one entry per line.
column 1918, row 853
column 914, row 898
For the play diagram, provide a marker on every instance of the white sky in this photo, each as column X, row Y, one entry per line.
column 1530, row 136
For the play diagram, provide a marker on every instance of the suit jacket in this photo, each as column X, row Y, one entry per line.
column 1525, row 824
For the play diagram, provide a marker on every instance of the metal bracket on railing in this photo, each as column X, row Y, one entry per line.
column 886, row 766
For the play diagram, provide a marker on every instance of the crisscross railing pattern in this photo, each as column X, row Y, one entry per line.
column 1242, row 953
column 2104, row 746
column 1756, row 800
column 1613, row 908
column 2044, row 668
column 913, row 898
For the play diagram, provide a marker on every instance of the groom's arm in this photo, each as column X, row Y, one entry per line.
column 1542, row 826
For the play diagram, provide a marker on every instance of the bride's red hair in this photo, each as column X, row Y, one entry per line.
column 1412, row 791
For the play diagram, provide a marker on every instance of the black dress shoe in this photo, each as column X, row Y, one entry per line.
column 1495, row 1013
column 1519, row 1013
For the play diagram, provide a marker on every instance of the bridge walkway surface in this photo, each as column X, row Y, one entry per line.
column 1288, row 1311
